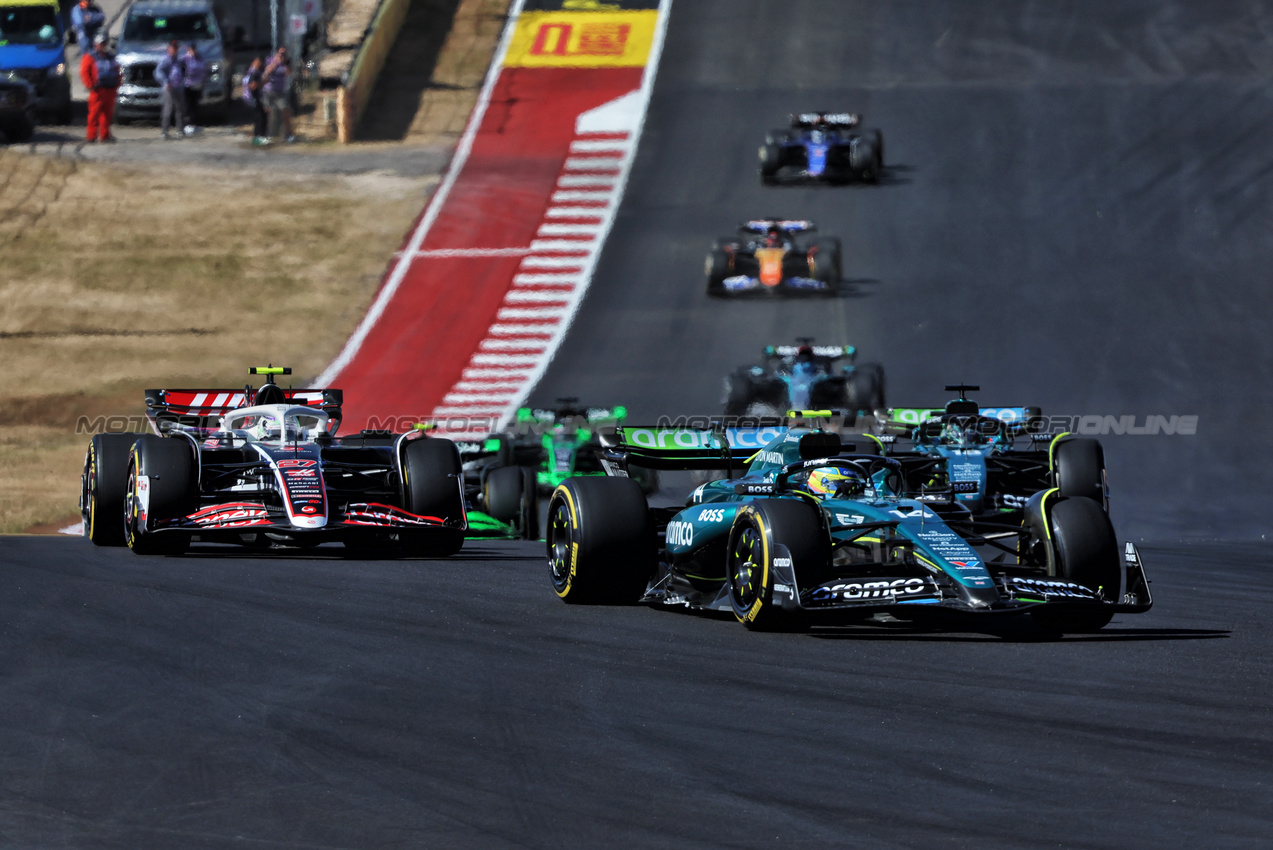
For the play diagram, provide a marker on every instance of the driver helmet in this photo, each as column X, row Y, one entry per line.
column 964, row 433
column 266, row 428
column 817, row 137
column 836, row 482
column 773, row 239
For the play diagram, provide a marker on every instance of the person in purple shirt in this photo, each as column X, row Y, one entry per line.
column 195, row 72
column 170, row 75
column 276, row 90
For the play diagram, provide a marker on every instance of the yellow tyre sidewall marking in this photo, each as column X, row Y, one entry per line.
column 759, row 604
column 574, row 542
column 132, row 500
column 92, row 491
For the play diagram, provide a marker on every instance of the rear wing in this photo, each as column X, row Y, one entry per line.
column 789, row 225
column 809, row 120
column 1016, row 420
column 654, row 447
column 591, row 415
column 830, row 351
column 203, row 408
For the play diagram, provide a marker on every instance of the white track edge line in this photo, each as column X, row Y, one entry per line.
column 355, row 341
column 611, row 210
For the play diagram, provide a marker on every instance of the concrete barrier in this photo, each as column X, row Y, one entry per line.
column 355, row 91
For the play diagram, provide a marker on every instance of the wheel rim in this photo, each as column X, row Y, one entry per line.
column 130, row 505
column 746, row 568
column 559, row 545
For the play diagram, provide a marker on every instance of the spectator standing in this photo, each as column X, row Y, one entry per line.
column 276, row 91
column 99, row 72
column 87, row 19
column 253, row 96
column 194, row 73
column 168, row 74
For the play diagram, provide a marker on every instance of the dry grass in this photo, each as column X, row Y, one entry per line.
column 114, row 279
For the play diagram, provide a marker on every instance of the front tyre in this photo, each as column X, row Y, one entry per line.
column 759, row 528
column 430, row 485
column 1085, row 552
column 601, row 544
column 163, row 485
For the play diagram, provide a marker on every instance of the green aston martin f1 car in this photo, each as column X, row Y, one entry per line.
column 803, row 529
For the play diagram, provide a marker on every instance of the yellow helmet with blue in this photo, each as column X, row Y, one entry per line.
column 842, row 482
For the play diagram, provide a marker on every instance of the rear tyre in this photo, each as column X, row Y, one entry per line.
column 1079, row 465
column 866, row 388
column 430, row 484
column 170, row 491
column 739, row 392
column 717, row 269
column 877, row 140
column 502, row 493
column 601, row 543
column 758, row 528
column 865, row 159
column 529, row 505
column 770, row 162
column 825, row 263
column 104, row 487
column 1085, row 552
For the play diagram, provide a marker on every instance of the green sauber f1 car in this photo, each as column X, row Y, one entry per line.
column 501, row 499
column 564, row 441
column 805, row 530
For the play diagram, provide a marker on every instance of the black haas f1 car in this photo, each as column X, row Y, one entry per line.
column 769, row 257
column 263, row 468
column 804, row 377
column 824, row 147
column 803, row 529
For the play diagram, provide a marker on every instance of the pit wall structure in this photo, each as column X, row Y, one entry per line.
column 355, row 90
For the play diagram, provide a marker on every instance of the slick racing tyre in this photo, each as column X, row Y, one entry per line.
column 877, row 139
column 825, row 263
column 865, row 158
column 758, row 528
column 104, row 487
column 510, row 495
column 770, row 162
column 865, row 391
column 717, row 269
column 1085, row 551
column 163, row 484
column 529, row 521
column 601, row 544
column 1079, row 465
column 430, row 484
column 502, row 492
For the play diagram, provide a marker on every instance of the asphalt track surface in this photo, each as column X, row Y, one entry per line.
column 1076, row 217
column 247, row 701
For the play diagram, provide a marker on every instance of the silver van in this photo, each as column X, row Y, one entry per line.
column 148, row 27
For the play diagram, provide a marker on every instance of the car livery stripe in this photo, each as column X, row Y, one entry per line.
column 519, row 219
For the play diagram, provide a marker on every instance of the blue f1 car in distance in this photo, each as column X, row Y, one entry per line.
column 822, row 146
